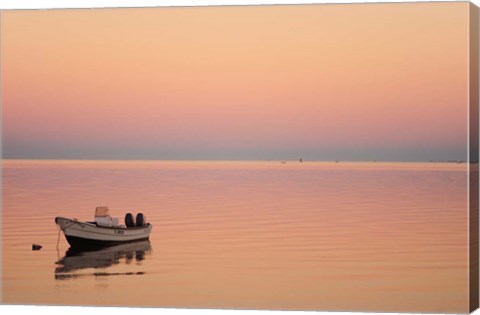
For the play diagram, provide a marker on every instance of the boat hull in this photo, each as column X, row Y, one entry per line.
column 86, row 243
column 87, row 235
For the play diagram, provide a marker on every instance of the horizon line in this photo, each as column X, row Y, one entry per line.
column 299, row 160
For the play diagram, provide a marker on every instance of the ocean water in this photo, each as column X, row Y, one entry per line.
column 388, row 237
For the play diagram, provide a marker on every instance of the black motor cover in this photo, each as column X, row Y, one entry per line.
column 129, row 222
column 141, row 219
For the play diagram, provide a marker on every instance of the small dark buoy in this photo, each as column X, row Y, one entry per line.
column 36, row 247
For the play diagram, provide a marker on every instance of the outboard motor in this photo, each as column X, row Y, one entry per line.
column 141, row 219
column 129, row 222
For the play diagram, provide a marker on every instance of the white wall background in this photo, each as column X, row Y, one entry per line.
column 54, row 310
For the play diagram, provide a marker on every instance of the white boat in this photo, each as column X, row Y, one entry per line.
column 104, row 231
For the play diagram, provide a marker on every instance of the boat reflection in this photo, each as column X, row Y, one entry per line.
column 74, row 262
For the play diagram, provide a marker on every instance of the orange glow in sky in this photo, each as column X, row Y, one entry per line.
column 349, row 82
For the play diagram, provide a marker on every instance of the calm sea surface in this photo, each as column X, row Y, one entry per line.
column 243, row 235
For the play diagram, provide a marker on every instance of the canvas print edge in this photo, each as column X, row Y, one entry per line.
column 474, row 155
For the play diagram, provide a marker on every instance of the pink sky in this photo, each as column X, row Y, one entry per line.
column 349, row 82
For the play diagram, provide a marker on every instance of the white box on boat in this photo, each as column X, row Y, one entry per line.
column 106, row 221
